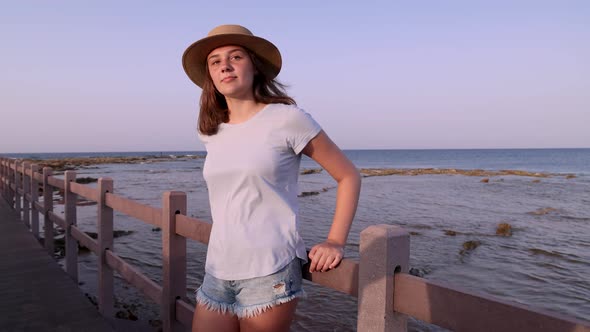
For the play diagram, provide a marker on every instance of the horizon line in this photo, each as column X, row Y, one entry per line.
column 348, row 149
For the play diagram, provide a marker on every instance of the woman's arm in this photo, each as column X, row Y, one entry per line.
column 328, row 254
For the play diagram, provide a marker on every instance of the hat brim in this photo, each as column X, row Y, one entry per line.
column 194, row 58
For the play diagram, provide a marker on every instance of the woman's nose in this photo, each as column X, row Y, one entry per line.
column 225, row 67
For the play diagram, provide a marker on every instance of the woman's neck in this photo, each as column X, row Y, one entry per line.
column 240, row 110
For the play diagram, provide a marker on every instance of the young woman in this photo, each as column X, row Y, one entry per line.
column 254, row 136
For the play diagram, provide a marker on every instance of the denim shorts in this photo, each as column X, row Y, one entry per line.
column 250, row 297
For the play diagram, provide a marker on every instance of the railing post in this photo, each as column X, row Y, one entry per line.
column 17, row 183
column 3, row 178
column 34, row 199
column 70, row 218
column 174, row 259
column 384, row 250
column 11, row 179
column 2, row 188
column 105, row 242
column 47, row 206
column 26, row 187
column 7, row 181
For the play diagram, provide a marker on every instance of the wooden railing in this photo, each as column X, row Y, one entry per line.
column 386, row 293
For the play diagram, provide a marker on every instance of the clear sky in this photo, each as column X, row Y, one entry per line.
column 90, row 76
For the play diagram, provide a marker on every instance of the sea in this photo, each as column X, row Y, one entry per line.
column 544, row 264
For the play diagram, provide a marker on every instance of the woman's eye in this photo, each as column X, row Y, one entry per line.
column 213, row 63
column 236, row 57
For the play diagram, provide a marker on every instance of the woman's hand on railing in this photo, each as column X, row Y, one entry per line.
column 325, row 256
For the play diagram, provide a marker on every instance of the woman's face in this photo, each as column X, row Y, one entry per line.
column 231, row 71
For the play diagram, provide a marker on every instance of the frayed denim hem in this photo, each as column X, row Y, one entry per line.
column 211, row 304
column 257, row 309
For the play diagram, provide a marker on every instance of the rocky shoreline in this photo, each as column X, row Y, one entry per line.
column 67, row 164
column 368, row 172
column 77, row 163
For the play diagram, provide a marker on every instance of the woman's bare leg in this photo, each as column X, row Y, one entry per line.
column 206, row 320
column 275, row 319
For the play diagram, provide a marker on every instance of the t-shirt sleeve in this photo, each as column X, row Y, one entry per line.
column 301, row 128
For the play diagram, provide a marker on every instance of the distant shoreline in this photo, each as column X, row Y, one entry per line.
column 64, row 164
column 387, row 162
column 152, row 152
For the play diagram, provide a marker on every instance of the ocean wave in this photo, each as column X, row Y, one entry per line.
column 536, row 251
column 530, row 276
column 575, row 218
column 158, row 171
column 418, row 226
column 554, row 254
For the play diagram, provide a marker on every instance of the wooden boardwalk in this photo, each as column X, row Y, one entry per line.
column 35, row 292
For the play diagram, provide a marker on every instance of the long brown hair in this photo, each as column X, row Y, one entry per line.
column 214, row 110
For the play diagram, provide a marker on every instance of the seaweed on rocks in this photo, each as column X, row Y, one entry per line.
column 86, row 180
column 504, row 229
column 469, row 246
column 311, row 171
column 366, row 172
column 542, row 211
column 67, row 164
column 308, row 193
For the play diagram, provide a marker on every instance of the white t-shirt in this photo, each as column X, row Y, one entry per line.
column 251, row 170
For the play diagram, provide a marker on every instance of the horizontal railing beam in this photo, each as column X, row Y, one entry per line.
column 38, row 177
column 61, row 222
column 38, row 206
column 184, row 313
column 55, row 182
column 84, row 239
column 84, row 191
column 146, row 213
column 133, row 276
column 459, row 310
column 192, row 228
column 344, row 278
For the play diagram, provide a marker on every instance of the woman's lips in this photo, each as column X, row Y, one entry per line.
column 228, row 79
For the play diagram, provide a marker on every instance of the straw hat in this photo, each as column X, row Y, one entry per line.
column 194, row 59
